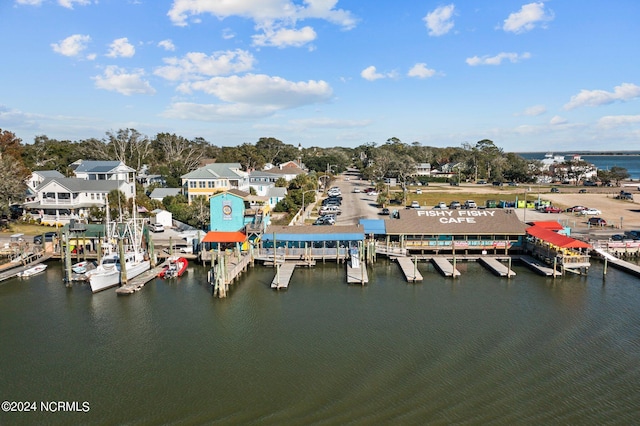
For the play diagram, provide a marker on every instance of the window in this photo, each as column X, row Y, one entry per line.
column 201, row 184
column 192, row 184
column 211, row 184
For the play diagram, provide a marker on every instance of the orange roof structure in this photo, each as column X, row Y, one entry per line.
column 556, row 239
column 551, row 225
column 224, row 237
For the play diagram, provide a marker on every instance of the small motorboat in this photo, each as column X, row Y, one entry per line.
column 82, row 267
column 175, row 268
column 32, row 271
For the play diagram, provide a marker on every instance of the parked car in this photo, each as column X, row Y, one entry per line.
column 385, row 212
column 441, row 205
column 330, row 209
column 632, row 235
column 418, row 191
column 482, row 182
column 454, row 183
column 623, row 195
column 552, row 209
column 576, row 209
column 470, row 204
column 48, row 237
column 591, row 212
column 497, row 183
column 356, row 190
column 156, row 227
column 554, row 189
column 454, row 205
column 597, row 221
column 325, row 220
column 582, row 191
column 415, row 205
column 589, row 183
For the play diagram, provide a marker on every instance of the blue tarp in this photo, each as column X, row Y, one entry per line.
column 373, row 226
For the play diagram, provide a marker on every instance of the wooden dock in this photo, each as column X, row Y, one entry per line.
column 283, row 275
column 135, row 284
column 445, row 267
column 12, row 269
column 496, row 267
column 409, row 267
column 538, row 266
column 619, row 263
column 357, row 274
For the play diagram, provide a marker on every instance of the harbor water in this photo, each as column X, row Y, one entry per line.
column 475, row 350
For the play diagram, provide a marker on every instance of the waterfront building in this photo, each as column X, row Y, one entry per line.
column 465, row 231
column 214, row 178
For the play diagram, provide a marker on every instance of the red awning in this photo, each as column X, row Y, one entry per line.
column 224, row 237
column 556, row 239
column 551, row 225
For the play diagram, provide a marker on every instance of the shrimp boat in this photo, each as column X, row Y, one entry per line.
column 110, row 270
column 176, row 267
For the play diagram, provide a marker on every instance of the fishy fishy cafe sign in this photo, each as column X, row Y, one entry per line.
column 456, row 216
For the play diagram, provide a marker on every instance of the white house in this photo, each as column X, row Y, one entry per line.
column 57, row 200
column 163, row 217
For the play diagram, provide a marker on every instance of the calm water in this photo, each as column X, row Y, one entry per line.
column 630, row 162
column 478, row 350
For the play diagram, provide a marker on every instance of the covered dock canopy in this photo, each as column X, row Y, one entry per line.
column 556, row 239
column 315, row 236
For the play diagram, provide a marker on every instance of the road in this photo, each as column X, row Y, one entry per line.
column 355, row 206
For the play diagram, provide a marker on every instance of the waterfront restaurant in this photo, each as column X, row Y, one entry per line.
column 465, row 231
column 310, row 242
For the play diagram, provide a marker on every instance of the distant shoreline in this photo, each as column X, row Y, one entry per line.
column 584, row 153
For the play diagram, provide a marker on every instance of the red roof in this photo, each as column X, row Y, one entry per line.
column 551, row 225
column 556, row 239
column 224, row 237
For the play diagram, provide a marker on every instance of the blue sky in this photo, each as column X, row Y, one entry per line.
column 531, row 76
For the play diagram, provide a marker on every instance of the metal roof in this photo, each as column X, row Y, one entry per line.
column 314, row 233
column 217, row 171
column 373, row 226
column 455, row 222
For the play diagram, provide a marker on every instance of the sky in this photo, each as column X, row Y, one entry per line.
column 552, row 75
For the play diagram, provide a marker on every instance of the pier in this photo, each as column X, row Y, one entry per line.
column 135, row 284
column 496, row 267
column 284, row 272
column 539, row 267
column 445, row 267
column 357, row 274
column 618, row 263
column 21, row 264
column 410, row 269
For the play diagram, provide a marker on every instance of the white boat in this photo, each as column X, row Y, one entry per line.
column 81, row 267
column 109, row 272
column 32, row 271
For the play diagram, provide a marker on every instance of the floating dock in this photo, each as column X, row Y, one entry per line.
column 539, row 267
column 283, row 275
column 619, row 263
column 445, row 267
column 12, row 269
column 497, row 267
column 357, row 273
column 410, row 269
column 135, row 284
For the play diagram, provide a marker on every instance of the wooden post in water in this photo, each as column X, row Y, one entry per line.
column 67, row 261
column 99, row 248
column 123, row 264
column 555, row 264
column 415, row 268
column 509, row 270
column 453, row 274
column 604, row 271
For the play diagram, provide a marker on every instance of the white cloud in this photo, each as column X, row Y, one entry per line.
column 72, row 46
column 217, row 112
column 262, row 11
column 527, row 18
column 556, row 120
column 228, row 34
column 439, row 22
column 167, row 45
column 121, row 48
column 497, row 59
column 623, row 92
column 262, row 91
column 29, row 2
column 370, row 73
column 420, row 70
column 117, row 79
column 332, row 123
column 69, row 3
column 534, row 111
column 609, row 121
column 195, row 65
column 284, row 37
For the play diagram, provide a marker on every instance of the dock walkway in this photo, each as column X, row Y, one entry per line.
column 445, row 267
column 619, row 263
column 357, row 275
column 12, row 269
column 538, row 266
column 135, row 284
column 497, row 267
column 410, row 269
column 283, row 275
